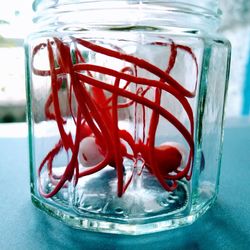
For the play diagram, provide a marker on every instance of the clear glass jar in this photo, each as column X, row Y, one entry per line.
column 125, row 111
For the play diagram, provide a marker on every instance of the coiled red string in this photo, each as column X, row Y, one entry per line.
column 97, row 114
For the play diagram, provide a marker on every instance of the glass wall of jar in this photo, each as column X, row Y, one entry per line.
column 125, row 112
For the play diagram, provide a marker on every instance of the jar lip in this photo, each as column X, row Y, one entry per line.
column 208, row 7
column 199, row 18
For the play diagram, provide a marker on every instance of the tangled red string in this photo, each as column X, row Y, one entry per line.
column 96, row 118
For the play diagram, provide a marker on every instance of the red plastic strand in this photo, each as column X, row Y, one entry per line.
column 97, row 114
column 139, row 62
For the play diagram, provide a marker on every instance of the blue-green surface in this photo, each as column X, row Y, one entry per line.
column 225, row 226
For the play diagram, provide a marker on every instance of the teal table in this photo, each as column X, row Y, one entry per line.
column 225, row 226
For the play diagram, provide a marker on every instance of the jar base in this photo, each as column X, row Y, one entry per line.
column 106, row 226
column 144, row 201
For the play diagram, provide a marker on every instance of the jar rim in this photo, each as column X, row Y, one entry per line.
column 117, row 13
column 205, row 6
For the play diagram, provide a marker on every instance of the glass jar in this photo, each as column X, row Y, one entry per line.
column 125, row 112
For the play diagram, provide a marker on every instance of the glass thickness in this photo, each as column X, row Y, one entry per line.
column 125, row 125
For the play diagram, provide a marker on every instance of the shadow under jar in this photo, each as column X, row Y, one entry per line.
column 125, row 112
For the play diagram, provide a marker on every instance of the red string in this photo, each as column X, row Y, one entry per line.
column 97, row 114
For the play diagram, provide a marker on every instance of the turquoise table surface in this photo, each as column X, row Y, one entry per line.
column 225, row 226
